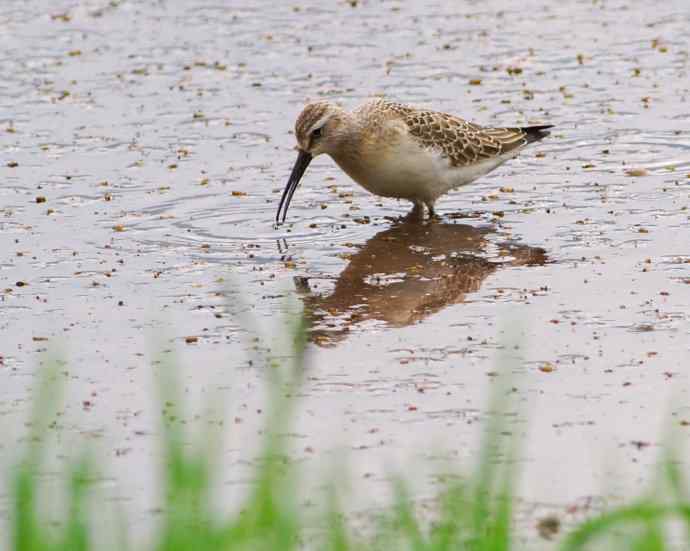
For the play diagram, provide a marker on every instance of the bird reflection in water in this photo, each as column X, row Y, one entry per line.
column 406, row 273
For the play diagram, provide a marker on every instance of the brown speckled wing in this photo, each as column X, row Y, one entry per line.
column 461, row 142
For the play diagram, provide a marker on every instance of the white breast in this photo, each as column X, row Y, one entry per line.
column 407, row 171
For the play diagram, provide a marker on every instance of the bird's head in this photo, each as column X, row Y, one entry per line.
column 318, row 129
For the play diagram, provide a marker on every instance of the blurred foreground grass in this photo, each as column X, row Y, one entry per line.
column 474, row 512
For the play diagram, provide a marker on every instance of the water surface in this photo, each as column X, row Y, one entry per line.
column 144, row 149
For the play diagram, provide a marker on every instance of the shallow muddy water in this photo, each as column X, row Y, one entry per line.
column 144, row 146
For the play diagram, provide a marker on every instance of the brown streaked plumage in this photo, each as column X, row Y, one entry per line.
column 309, row 117
column 396, row 150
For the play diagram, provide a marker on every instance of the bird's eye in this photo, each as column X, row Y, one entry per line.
column 316, row 133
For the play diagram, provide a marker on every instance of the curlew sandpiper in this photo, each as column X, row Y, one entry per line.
column 396, row 150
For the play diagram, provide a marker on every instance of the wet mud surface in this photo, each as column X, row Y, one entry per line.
column 143, row 149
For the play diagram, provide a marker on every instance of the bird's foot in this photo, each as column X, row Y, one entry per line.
column 416, row 214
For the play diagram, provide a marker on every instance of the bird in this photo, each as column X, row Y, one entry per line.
column 397, row 150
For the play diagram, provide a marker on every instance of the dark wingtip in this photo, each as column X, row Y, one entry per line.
column 536, row 133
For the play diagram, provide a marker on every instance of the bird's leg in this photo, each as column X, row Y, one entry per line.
column 417, row 211
column 302, row 285
column 430, row 206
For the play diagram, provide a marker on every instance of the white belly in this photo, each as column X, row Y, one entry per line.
column 409, row 172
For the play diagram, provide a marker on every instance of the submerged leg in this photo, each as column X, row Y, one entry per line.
column 417, row 211
column 415, row 215
column 432, row 211
column 302, row 285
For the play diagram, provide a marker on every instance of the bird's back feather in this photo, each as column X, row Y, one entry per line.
column 463, row 143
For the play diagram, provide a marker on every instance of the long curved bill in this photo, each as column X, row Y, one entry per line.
column 301, row 164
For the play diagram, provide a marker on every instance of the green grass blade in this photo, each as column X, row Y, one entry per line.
column 76, row 536
column 26, row 534
column 405, row 519
column 622, row 517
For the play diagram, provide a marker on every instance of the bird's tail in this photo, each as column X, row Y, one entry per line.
column 536, row 133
